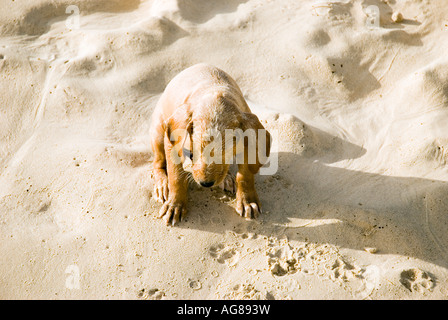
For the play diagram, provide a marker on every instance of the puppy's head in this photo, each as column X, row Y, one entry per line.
column 206, row 153
column 209, row 144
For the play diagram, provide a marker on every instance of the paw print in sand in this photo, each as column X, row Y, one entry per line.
column 416, row 280
column 224, row 254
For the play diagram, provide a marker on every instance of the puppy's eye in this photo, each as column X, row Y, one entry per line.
column 187, row 153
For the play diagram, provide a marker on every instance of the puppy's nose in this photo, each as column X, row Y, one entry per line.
column 207, row 184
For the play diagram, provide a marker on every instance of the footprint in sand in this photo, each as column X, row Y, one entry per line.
column 345, row 271
column 281, row 261
column 151, row 294
column 246, row 231
column 225, row 254
column 244, row 291
column 416, row 280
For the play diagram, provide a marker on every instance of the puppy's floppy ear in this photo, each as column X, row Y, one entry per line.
column 263, row 140
column 178, row 124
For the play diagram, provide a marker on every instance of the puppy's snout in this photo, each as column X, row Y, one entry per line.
column 207, row 184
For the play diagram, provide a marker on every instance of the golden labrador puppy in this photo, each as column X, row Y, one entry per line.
column 199, row 107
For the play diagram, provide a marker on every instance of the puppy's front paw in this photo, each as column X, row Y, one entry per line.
column 248, row 205
column 161, row 189
column 173, row 210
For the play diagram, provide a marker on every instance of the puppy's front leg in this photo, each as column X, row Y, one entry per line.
column 175, row 208
column 247, row 202
column 159, row 172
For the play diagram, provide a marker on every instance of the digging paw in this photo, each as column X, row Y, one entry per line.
column 173, row 211
column 248, row 206
column 161, row 189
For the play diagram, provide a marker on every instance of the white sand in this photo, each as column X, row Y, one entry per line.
column 358, row 208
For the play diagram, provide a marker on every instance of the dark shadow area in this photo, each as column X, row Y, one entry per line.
column 401, row 36
column 328, row 148
column 354, row 75
column 411, row 22
column 309, row 201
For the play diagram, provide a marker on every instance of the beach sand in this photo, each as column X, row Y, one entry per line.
column 355, row 92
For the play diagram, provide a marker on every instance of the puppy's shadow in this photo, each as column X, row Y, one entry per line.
column 311, row 201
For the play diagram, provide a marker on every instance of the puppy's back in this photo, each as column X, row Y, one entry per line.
column 200, row 78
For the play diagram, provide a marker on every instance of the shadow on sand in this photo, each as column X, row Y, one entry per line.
column 308, row 200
